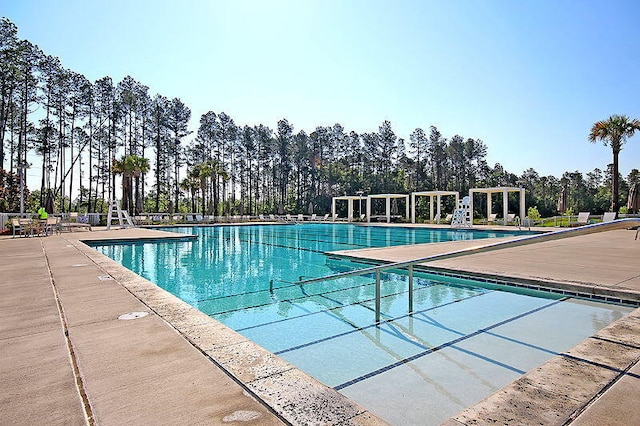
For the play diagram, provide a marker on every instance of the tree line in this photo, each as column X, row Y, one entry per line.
column 83, row 134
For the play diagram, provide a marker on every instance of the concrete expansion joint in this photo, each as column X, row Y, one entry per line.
column 616, row 379
column 86, row 405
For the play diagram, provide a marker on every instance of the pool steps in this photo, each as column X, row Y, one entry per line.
column 526, row 240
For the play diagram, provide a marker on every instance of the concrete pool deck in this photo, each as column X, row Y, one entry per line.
column 68, row 359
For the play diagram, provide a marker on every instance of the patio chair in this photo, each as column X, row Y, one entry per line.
column 609, row 216
column 583, row 219
column 21, row 228
column 52, row 225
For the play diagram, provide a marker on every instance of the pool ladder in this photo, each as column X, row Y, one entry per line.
column 530, row 239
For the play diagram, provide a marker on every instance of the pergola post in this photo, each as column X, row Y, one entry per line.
column 431, row 208
column 413, row 208
column 488, row 204
column 333, row 208
column 388, row 206
column 438, row 209
column 406, row 207
column 523, row 211
column 368, row 208
column 350, row 209
column 505, row 206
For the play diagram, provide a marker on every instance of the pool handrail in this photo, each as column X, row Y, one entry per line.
column 526, row 240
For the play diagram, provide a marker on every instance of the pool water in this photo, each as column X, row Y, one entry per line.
column 464, row 341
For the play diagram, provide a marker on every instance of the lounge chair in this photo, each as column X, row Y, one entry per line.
column 300, row 217
column 583, row 219
column 491, row 220
column 313, row 217
column 75, row 221
column 609, row 216
column 438, row 218
column 326, row 217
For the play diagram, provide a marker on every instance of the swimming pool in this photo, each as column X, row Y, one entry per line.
column 465, row 340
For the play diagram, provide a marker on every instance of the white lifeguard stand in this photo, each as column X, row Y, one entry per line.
column 462, row 215
column 123, row 216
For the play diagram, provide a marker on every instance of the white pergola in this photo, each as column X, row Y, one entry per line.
column 350, row 199
column 431, row 194
column 388, row 197
column 505, row 199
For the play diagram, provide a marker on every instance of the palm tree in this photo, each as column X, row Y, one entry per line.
column 140, row 166
column 123, row 167
column 614, row 132
column 191, row 184
column 131, row 166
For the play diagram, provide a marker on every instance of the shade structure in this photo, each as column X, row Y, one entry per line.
column 350, row 199
column 431, row 194
column 388, row 198
column 633, row 201
column 562, row 201
column 504, row 190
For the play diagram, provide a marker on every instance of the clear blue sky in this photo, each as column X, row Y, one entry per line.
column 527, row 77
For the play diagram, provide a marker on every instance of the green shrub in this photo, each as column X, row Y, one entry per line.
column 533, row 213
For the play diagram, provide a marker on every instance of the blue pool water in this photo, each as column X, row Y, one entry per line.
column 465, row 340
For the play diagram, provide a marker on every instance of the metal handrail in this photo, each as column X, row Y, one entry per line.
column 530, row 239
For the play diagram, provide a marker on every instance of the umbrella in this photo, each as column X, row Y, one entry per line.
column 48, row 203
column 633, row 202
column 562, row 200
column 310, row 209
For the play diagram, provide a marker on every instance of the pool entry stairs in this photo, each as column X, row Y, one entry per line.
column 531, row 239
column 122, row 216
